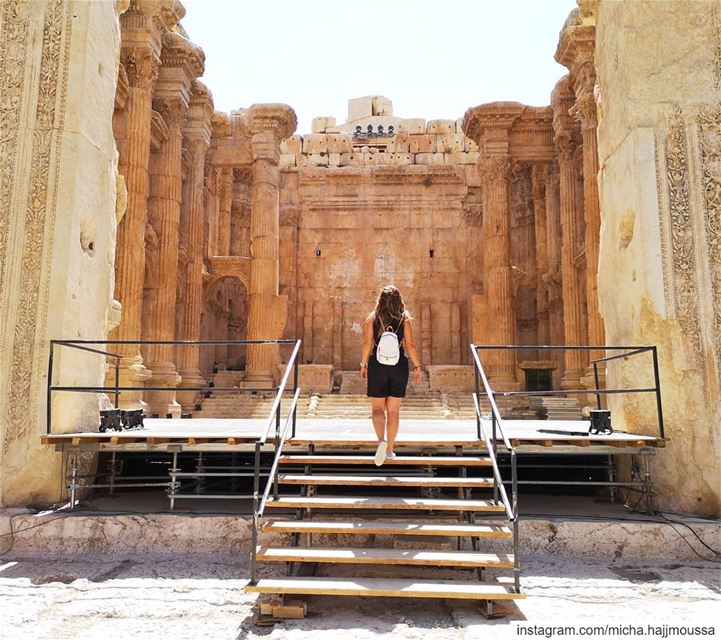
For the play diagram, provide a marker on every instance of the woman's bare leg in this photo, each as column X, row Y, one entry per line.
column 393, row 407
column 379, row 417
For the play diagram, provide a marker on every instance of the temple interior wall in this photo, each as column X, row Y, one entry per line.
column 659, row 136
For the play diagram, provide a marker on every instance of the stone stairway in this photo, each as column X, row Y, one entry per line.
column 420, row 403
column 359, row 540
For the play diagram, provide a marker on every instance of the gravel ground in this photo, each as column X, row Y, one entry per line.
column 186, row 596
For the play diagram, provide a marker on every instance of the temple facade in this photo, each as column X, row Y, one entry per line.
column 237, row 229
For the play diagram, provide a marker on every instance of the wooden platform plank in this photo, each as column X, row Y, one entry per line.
column 343, row 502
column 434, row 461
column 386, row 587
column 387, row 481
column 387, row 528
column 406, row 557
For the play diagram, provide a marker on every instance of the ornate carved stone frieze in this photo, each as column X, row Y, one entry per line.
column 29, row 330
column 709, row 125
column 495, row 115
column 682, row 241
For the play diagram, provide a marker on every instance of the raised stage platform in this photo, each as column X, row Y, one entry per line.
column 223, row 434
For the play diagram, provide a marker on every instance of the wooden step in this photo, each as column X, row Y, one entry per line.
column 404, row 557
column 387, row 528
column 433, row 461
column 386, row 587
column 383, row 481
column 372, row 444
column 385, row 503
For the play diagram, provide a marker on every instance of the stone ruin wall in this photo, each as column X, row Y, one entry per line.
column 659, row 140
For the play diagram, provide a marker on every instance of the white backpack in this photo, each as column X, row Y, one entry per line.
column 389, row 350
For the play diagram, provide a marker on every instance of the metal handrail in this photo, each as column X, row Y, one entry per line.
column 494, row 464
column 116, row 388
column 274, row 412
column 628, row 351
column 511, row 506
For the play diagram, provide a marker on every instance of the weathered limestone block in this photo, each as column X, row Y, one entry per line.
column 473, row 176
column 57, row 226
column 462, row 158
column 317, row 159
column 438, row 127
column 469, row 145
column 399, row 143
column 412, row 126
column 430, row 158
column 422, row 144
column 450, row 142
column 351, row 159
column 400, row 158
column 315, row 143
column 339, row 143
column 294, row 144
column 451, row 378
column 334, row 159
column 286, row 160
column 312, row 378
column 321, row 123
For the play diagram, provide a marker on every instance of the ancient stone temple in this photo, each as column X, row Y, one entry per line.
column 131, row 209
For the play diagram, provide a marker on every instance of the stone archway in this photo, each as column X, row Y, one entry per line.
column 225, row 317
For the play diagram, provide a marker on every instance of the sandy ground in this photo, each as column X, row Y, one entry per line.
column 195, row 597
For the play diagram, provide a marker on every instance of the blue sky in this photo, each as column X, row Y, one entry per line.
column 432, row 59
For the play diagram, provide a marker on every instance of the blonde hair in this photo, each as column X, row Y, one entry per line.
column 390, row 309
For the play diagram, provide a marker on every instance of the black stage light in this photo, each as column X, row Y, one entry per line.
column 133, row 419
column 600, row 422
column 110, row 419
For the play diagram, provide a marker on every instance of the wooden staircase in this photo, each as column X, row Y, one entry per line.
column 382, row 511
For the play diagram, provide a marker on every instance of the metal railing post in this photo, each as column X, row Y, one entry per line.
column 478, row 394
column 49, row 398
column 657, row 383
column 117, row 382
column 598, row 383
column 254, row 535
column 295, row 386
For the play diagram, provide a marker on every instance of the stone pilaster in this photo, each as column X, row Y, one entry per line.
column 225, row 203
column 538, row 192
column 197, row 136
column 141, row 61
column 269, row 124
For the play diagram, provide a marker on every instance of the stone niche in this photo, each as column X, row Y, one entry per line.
column 659, row 265
column 57, row 231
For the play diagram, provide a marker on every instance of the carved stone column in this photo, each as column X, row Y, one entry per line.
column 585, row 111
column 269, row 124
column 552, row 276
column 500, row 326
column 165, row 219
column 197, row 135
column 572, row 296
column 141, row 66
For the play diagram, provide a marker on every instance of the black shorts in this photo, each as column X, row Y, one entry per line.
column 385, row 380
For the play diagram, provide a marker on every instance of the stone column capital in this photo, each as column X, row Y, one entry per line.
column 173, row 110
column 495, row 168
column 565, row 146
column 585, row 111
column 280, row 119
column 141, row 65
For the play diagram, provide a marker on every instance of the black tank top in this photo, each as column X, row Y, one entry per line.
column 378, row 330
